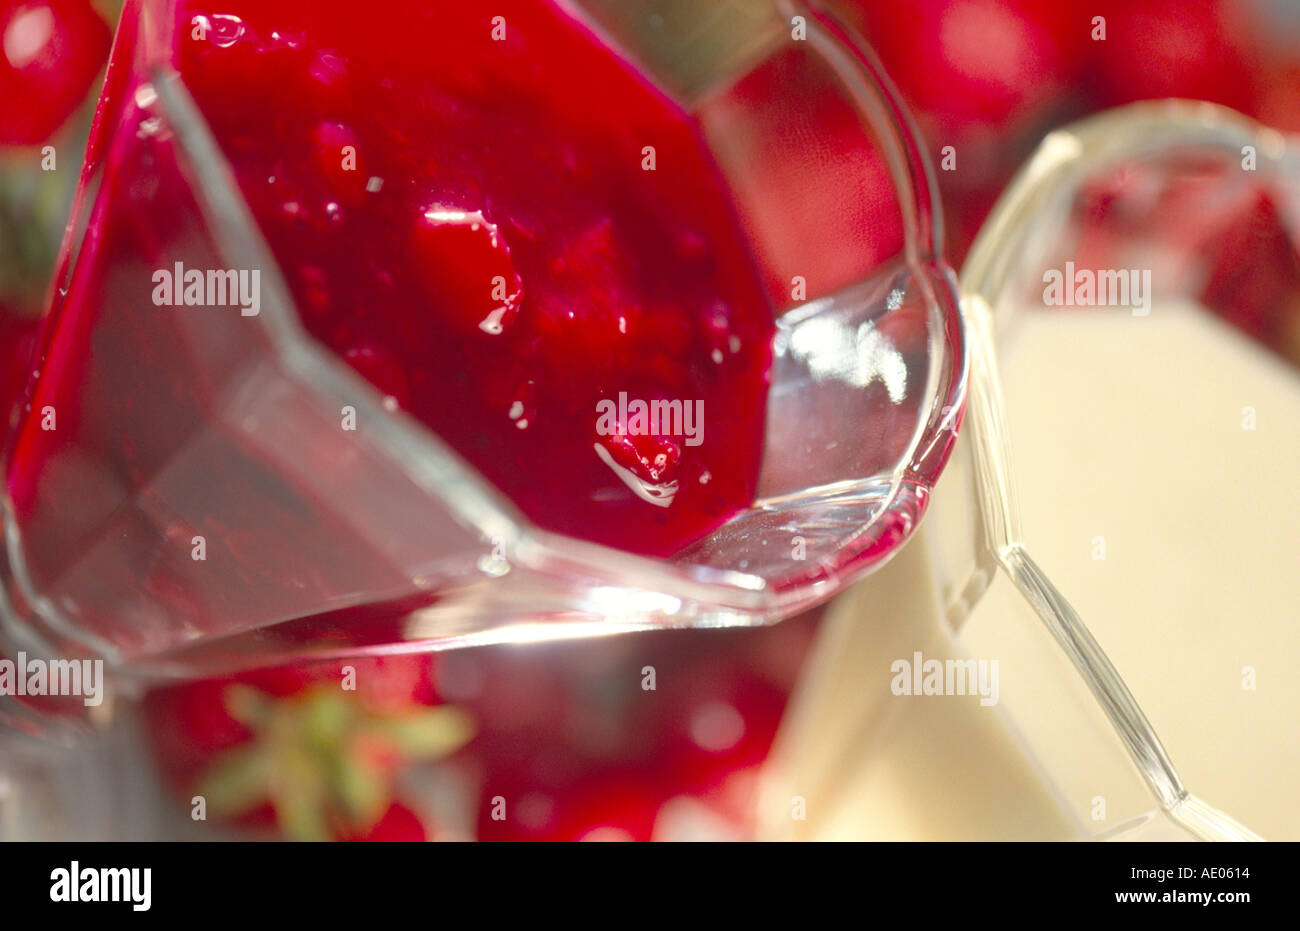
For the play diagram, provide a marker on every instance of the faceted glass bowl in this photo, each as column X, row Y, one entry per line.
column 318, row 541
column 1133, row 188
column 1063, row 751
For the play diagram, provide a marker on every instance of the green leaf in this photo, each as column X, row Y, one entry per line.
column 300, row 796
column 302, row 817
column 362, row 790
column 429, row 733
column 238, row 782
column 326, row 716
column 248, row 705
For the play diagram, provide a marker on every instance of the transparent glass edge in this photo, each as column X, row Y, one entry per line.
column 1065, row 157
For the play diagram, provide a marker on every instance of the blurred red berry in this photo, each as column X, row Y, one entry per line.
column 986, row 62
column 815, row 185
column 313, row 752
column 1169, row 48
column 984, row 79
column 1253, row 271
column 1279, row 101
column 50, row 52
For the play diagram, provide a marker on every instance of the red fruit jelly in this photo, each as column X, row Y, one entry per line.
column 501, row 223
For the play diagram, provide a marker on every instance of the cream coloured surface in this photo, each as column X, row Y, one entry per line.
column 1175, row 533
column 866, row 764
column 1131, row 429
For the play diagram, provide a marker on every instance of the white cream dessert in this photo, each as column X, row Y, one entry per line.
column 1154, row 463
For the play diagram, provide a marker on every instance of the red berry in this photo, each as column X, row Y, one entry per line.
column 1168, row 48
column 612, row 809
column 815, row 186
column 50, row 51
column 991, row 62
column 1253, row 270
column 1279, row 104
column 981, row 77
column 189, row 724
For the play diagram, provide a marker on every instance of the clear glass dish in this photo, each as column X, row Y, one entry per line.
column 967, row 585
column 323, row 542
column 1173, row 189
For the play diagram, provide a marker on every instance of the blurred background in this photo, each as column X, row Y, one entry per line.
column 570, row 734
